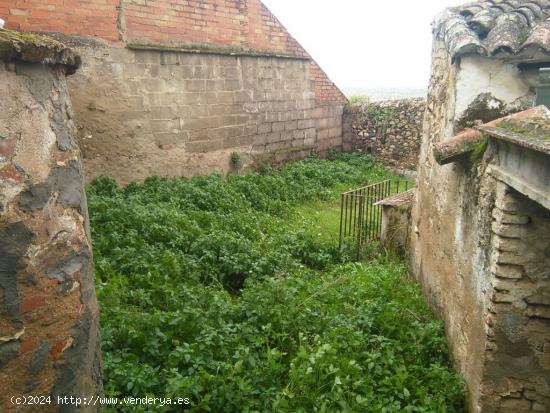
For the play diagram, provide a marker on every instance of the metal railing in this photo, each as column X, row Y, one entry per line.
column 360, row 218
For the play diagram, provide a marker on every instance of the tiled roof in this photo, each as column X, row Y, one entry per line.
column 530, row 128
column 501, row 28
column 401, row 199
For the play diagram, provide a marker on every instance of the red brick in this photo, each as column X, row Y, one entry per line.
column 9, row 173
column 32, row 303
column 27, row 345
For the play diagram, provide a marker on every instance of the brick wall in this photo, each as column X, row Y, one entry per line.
column 84, row 17
column 227, row 24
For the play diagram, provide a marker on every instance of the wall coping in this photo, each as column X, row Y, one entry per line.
column 34, row 48
column 196, row 49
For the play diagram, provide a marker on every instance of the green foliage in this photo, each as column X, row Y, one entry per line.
column 358, row 100
column 228, row 292
column 479, row 149
column 235, row 160
column 379, row 115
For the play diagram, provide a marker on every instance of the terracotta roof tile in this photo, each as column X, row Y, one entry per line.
column 500, row 28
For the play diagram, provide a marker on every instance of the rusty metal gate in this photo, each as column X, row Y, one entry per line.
column 360, row 218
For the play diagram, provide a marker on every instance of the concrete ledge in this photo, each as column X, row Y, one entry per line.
column 527, row 189
column 198, row 49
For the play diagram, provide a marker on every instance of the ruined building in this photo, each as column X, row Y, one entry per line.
column 480, row 229
column 175, row 87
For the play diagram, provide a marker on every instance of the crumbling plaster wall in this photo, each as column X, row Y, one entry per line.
column 451, row 219
column 154, row 112
column 49, row 342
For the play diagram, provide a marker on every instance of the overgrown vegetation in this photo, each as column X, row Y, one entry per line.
column 229, row 292
column 358, row 99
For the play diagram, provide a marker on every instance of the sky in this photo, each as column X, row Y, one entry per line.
column 365, row 43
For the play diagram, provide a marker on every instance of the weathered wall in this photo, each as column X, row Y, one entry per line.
column 389, row 130
column 451, row 234
column 49, row 343
column 197, row 81
column 150, row 112
column 517, row 360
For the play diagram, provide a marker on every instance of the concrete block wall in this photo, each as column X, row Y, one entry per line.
column 178, row 113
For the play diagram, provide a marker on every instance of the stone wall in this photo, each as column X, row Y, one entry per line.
column 154, row 112
column 49, row 340
column 389, row 130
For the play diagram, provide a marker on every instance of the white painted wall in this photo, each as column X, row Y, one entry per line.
column 477, row 75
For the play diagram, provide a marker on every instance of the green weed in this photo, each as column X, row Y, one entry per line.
column 234, row 293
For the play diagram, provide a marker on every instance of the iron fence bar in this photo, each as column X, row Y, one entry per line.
column 341, row 219
column 360, row 218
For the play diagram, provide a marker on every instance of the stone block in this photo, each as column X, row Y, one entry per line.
column 322, row 123
column 275, row 146
column 164, row 125
column 226, row 98
column 538, row 311
column 310, row 133
column 233, row 131
column 251, row 129
column 298, row 134
column 215, row 85
column 306, row 124
column 506, row 218
column 507, row 244
column 260, row 139
column 503, row 298
column 163, row 112
column 147, row 57
column 169, row 58
column 508, row 230
column 506, row 285
column 195, row 85
column 291, row 125
column 204, row 146
column 264, row 128
column 506, row 200
column 237, row 141
column 243, row 96
column 507, row 271
column 285, row 116
column 274, row 137
column 278, row 126
column 201, row 123
column 167, row 138
column 287, row 136
column 516, row 405
column 504, row 257
column 202, row 134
